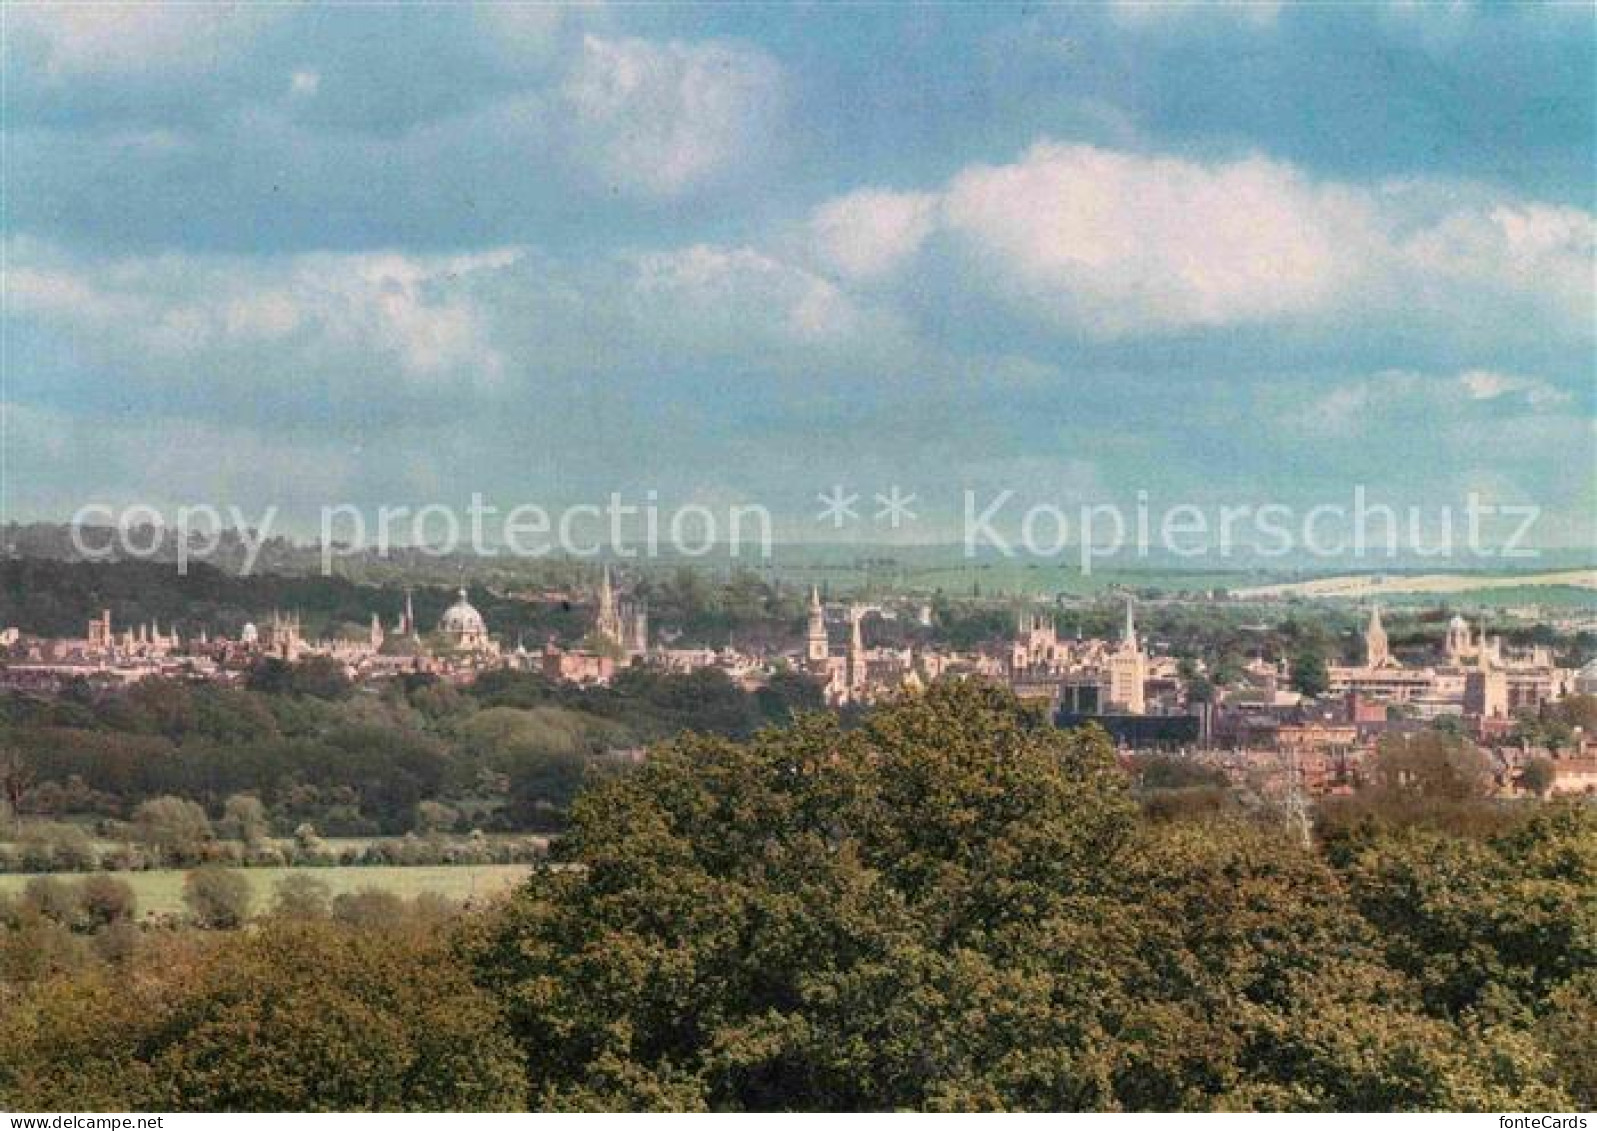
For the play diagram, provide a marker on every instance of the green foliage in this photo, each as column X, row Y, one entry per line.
column 300, row 895
column 296, row 1016
column 217, row 898
column 955, row 906
column 174, row 828
column 320, row 677
column 244, row 818
column 1569, row 1033
column 1432, row 778
column 106, row 900
column 951, row 905
column 508, row 754
column 1309, row 674
column 1537, row 776
column 1486, row 924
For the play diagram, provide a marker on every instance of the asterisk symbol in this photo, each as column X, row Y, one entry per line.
column 837, row 505
column 895, row 507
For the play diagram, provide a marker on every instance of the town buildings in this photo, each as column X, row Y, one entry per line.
column 856, row 655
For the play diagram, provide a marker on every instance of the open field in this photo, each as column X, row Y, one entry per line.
column 161, row 891
column 1356, row 586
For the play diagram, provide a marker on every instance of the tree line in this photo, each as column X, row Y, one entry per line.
column 504, row 754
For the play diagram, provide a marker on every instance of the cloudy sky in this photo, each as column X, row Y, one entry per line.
column 310, row 254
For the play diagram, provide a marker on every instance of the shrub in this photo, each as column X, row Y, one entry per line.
column 301, row 896
column 174, row 828
column 56, row 899
column 369, row 907
column 217, row 898
column 107, row 900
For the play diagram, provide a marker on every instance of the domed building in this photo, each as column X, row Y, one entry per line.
column 463, row 628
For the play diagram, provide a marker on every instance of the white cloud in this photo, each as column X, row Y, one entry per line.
column 422, row 334
column 1448, row 407
column 737, row 302
column 533, row 32
column 391, row 318
column 872, row 231
column 661, row 119
column 70, row 40
column 1486, row 385
column 1118, row 242
column 1112, row 244
column 1513, row 246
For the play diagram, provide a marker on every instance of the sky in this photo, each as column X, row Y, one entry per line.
column 302, row 255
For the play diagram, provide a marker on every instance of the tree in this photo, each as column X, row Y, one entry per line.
column 217, row 898
column 16, row 775
column 1569, row 1028
column 176, row 828
column 56, row 899
column 435, row 817
column 368, row 907
column 322, row 677
column 244, row 818
column 293, row 1016
column 1491, row 922
column 107, row 900
column 302, row 896
column 1309, row 674
column 58, row 847
column 951, row 906
column 1431, row 766
column 770, row 919
column 1580, row 711
column 1537, row 776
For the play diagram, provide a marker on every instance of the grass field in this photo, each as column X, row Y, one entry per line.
column 161, row 891
column 1363, row 586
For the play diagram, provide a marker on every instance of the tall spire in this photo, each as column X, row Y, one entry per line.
column 607, row 623
column 816, row 645
column 1376, row 652
column 1128, row 635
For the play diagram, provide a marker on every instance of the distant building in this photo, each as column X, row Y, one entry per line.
column 464, row 630
column 1125, row 671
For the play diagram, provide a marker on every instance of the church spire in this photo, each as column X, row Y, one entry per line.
column 607, row 624
column 816, row 645
column 1128, row 635
column 1376, row 652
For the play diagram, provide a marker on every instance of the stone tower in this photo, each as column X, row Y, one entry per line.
column 816, row 647
column 1127, row 671
column 607, row 622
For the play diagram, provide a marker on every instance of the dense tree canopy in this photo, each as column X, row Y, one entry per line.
column 299, row 1015
column 954, row 906
column 507, row 754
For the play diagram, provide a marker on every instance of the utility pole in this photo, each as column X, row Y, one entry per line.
column 1297, row 806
